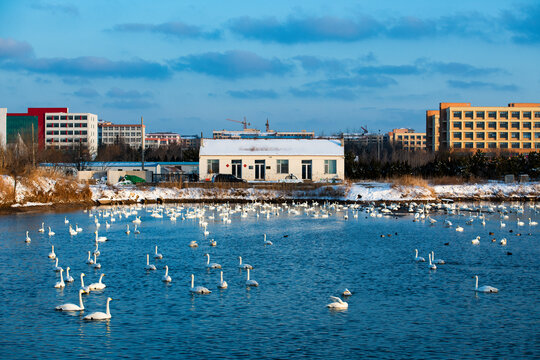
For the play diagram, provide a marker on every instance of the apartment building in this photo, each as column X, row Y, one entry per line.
column 64, row 130
column 407, row 139
column 462, row 127
column 130, row 134
column 168, row 137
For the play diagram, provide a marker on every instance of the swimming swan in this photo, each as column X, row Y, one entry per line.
column 267, row 242
column 418, row 258
column 72, row 307
column 97, row 286
column 148, row 265
column 250, row 282
column 83, row 288
column 68, row 277
column 211, row 265
column 338, row 304
column 51, row 233
column 99, row 315
column 243, row 266
column 56, row 267
column 476, row 241
column 431, row 265
column 52, row 255
column 166, row 277
column 198, row 289
column 27, row 240
column 89, row 261
column 485, row 288
column 158, row 255
column 61, row 283
column 437, row 261
column 222, row 284
column 42, row 228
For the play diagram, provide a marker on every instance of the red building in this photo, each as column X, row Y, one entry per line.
column 20, row 122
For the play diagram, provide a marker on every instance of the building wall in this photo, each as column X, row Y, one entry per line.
column 295, row 166
column 408, row 139
column 3, row 116
column 68, row 130
column 22, row 125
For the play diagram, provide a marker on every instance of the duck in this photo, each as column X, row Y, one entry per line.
column 198, row 289
column 60, row 284
column 485, row 288
column 42, row 228
column 148, row 265
column 346, row 292
column 84, row 289
column 213, row 242
column 56, row 267
column 222, row 284
column 27, row 240
column 211, row 265
column 250, row 282
column 69, row 278
column 52, row 255
column 418, row 258
column 503, row 242
column 476, row 241
column 267, row 242
column 437, row 261
column 100, row 315
column 97, row 286
column 158, row 255
column 243, row 266
column 89, row 261
column 166, row 277
column 338, row 304
column 72, row 307
column 50, row 233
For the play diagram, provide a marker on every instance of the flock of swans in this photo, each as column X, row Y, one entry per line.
column 421, row 213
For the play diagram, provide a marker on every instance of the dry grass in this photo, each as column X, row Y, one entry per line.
column 409, row 180
column 455, row 180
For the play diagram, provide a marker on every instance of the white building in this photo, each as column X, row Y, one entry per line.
column 3, row 134
column 170, row 137
column 130, row 134
column 272, row 159
column 68, row 130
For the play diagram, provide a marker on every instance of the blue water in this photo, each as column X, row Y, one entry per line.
column 399, row 308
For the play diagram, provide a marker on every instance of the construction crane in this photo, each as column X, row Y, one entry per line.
column 245, row 123
column 365, row 129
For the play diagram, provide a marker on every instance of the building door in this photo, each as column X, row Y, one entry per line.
column 237, row 168
column 259, row 169
column 306, row 169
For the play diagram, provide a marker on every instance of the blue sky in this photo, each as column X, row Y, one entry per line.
column 324, row 66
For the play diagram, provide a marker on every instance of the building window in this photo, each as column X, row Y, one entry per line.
column 492, row 125
column 213, row 166
column 457, row 114
column 469, row 135
column 492, row 114
column 480, row 145
column 515, row 125
column 480, row 135
column 492, row 145
column 469, row 145
column 480, row 114
column 503, row 135
column 526, row 114
column 457, row 125
column 468, row 125
column 537, row 114
column 457, row 135
column 503, row 125
column 282, row 166
column 457, row 145
column 468, row 114
column 480, row 125
column 515, row 115
column 527, row 125
column 527, row 145
column 503, row 145
column 537, row 145
column 503, row 114
column 537, row 135
column 85, row 117
column 515, row 135
column 515, row 145
column 492, row 135
column 330, row 166
column 527, row 135
column 49, row 117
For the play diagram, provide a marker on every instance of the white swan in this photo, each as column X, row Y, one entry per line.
column 222, row 284
column 100, row 315
column 532, row 223
column 503, row 242
column 158, row 255
column 437, row 261
column 243, row 266
column 77, row 228
column 250, row 282
column 27, row 240
column 485, row 288
column 71, row 231
column 520, row 223
column 338, row 304
column 193, row 244
column 107, row 225
column 52, row 255
column 42, row 228
column 476, row 241
column 502, row 224
column 89, row 261
column 431, row 265
column 96, row 265
column 96, row 251
column 166, row 277
column 418, row 258
column 267, row 242
column 69, row 278
column 66, row 221
column 50, row 233
column 198, row 289
column 100, row 238
column 83, row 288
column 72, row 307
column 137, row 220
column 97, row 286
column 61, row 283
column 56, row 267
column 211, row 265
column 459, row 228
column 127, row 230
column 148, row 265
column 136, row 231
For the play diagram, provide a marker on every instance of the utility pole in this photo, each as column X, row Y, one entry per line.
column 142, row 143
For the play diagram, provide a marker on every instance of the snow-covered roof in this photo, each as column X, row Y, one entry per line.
column 286, row 147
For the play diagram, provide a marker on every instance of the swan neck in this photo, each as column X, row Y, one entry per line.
column 108, row 310
column 222, row 276
column 240, row 260
column 248, row 274
column 166, row 270
column 101, row 277
column 147, row 259
column 476, row 287
column 192, row 281
column 80, row 300
column 61, row 276
column 82, row 280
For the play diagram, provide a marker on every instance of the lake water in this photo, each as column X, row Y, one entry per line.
column 399, row 308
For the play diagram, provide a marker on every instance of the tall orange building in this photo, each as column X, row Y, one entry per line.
column 462, row 127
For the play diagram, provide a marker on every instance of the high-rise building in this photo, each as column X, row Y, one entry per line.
column 462, row 127
column 130, row 134
column 66, row 130
column 29, row 126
